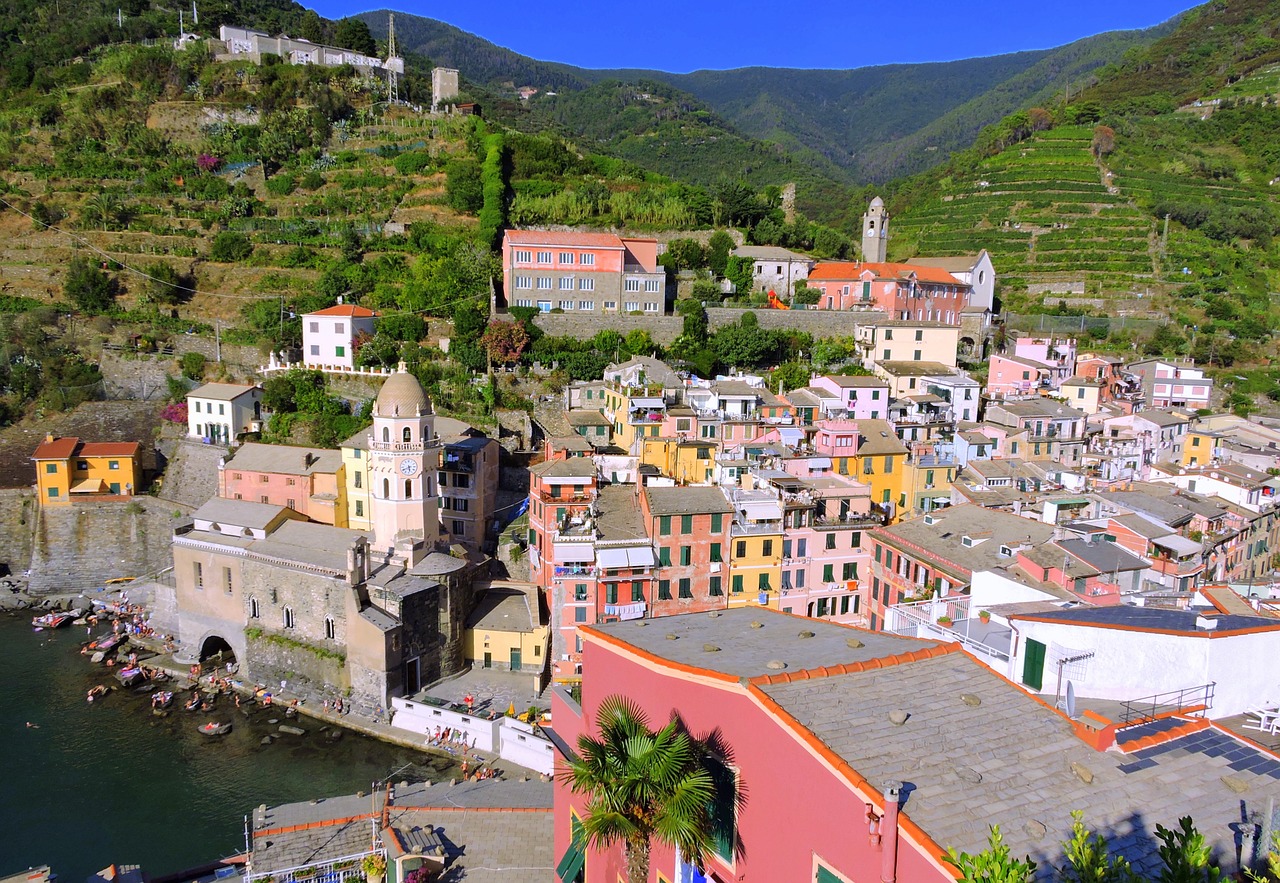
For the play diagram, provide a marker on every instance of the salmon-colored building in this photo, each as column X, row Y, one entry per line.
column 904, row 291
column 310, row 481
column 690, row 526
column 582, row 272
column 840, row 731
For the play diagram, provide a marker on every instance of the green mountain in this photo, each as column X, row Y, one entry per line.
column 863, row 125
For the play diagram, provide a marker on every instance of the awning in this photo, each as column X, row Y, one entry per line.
column 573, row 553
column 819, row 462
column 641, row 557
column 1178, row 545
column 617, row 559
column 790, row 436
column 762, row 510
column 89, row 486
column 645, row 402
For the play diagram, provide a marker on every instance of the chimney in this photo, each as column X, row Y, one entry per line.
column 889, row 833
column 1207, row 623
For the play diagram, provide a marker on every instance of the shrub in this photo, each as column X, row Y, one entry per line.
column 229, row 246
column 89, row 288
column 192, row 365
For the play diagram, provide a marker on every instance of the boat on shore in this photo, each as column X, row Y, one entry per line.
column 215, row 728
column 53, row 620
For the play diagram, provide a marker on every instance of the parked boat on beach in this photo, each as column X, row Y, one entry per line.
column 215, row 728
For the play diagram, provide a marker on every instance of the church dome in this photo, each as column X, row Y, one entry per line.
column 877, row 203
column 402, row 396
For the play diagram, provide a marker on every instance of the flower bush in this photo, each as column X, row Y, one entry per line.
column 175, row 413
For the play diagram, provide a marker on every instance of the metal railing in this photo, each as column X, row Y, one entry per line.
column 347, row 867
column 1149, row 707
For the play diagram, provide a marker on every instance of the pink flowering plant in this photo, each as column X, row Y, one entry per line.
column 208, row 163
column 175, row 413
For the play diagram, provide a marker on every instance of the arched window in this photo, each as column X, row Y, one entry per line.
column 386, row 434
column 408, row 488
column 254, row 610
column 330, row 628
column 386, row 489
column 288, row 617
column 424, row 436
column 408, row 434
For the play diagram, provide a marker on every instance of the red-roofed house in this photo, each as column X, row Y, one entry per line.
column 904, row 291
column 329, row 335
column 68, row 468
column 582, row 272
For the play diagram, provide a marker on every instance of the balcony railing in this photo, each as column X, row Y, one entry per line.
column 347, row 867
column 580, row 499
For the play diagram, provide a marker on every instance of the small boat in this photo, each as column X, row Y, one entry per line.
column 215, row 728
column 53, row 620
column 130, row 676
column 194, row 703
column 162, row 700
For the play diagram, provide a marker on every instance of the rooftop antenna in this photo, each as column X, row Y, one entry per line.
column 393, row 79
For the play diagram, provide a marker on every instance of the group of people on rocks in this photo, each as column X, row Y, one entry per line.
column 478, row 774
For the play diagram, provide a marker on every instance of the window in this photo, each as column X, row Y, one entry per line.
column 886, row 356
column 611, row 593
column 716, row 522
column 315, row 349
column 651, row 308
column 631, row 306
column 664, row 590
column 359, row 508
column 339, row 351
column 51, row 468
column 566, row 305
column 288, row 618
column 631, row 285
column 888, row 464
column 828, row 573
column 330, row 628
column 919, row 335
column 652, row 286
column 686, row 524
column 113, row 465
column 737, row 582
column 664, row 556
column 888, row 334
column 713, row 587
column 579, row 614
column 849, row 570
column 831, row 541
column 587, row 260
column 740, row 551
column 386, row 489
column 685, row 589
column 664, row 526
column 524, row 256
column 686, row 556
column 199, row 573
column 544, row 257
column 915, row 355
column 524, row 282
column 339, row 328
column 255, row 610
column 589, row 305
column 766, row 548
column 566, row 257
column 724, row 782
column 315, row 327
column 566, row 283
column 544, row 283
column 715, row 553
column 637, row 591
column 226, row 580
column 590, row 285
column 459, row 528
column 580, row 592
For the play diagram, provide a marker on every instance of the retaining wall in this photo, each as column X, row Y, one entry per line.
column 665, row 329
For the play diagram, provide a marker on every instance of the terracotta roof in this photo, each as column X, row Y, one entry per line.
column 57, row 449
column 563, row 237
column 108, row 449
column 841, row 270
column 349, row 310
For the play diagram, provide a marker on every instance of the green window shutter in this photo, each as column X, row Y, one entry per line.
column 715, row 553
column 664, row 526
column 637, row 591
column 686, row 555
column 714, row 587
column 664, row 556
column 686, row 524
column 825, row 876
column 611, row 593
column 723, row 808
column 685, row 589
column 1033, row 664
column 664, row 590
column 737, row 582
column 717, row 522
column 828, row 573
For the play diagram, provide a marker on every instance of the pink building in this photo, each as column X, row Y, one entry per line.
column 310, row 481
column 1172, row 384
column 689, row 527
column 582, row 272
column 1011, row 376
column 863, row 398
column 904, row 291
column 824, row 726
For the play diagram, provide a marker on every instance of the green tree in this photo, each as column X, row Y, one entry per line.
column 1088, row 860
column 165, row 286
column 995, row 864
column 1185, row 855
column 642, row 786
column 790, row 375
column 695, row 320
column 504, row 341
column 229, row 247
column 88, row 287
column 353, row 34
column 718, row 248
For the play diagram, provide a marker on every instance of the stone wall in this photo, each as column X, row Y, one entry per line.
column 77, row 547
column 665, row 329
column 271, row 661
column 18, row 520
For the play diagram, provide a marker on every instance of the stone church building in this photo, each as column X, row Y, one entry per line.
column 380, row 612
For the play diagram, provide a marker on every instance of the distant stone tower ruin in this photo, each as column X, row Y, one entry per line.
column 444, row 86
column 789, row 202
column 875, row 232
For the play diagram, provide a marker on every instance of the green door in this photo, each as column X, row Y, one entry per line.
column 515, row 659
column 1033, row 665
column 488, row 660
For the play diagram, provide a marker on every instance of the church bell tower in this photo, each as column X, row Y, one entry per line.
column 875, row 232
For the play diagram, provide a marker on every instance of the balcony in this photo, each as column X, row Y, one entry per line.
column 646, row 416
column 457, row 462
column 573, row 499
column 989, row 641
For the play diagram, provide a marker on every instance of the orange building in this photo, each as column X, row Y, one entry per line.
column 67, row 469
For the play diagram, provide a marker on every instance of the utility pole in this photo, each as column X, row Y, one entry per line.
column 217, row 341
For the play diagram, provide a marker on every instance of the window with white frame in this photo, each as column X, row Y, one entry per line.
column 544, row 257
column 631, row 306
column 611, row 305
column 524, row 257
column 652, row 285
column 632, row 285
column 524, row 302
column 566, row 257
column 544, row 283
column 587, row 259
column 586, row 285
column 586, row 305
column 651, row 308
column 524, row 282
column 566, row 283
column 566, row 305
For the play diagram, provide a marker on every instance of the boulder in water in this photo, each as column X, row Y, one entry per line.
column 292, row 731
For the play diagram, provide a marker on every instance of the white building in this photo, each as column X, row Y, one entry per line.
column 329, row 336
column 976, row 271
column 1247, row 488
column 218, row 412
column 1168, row 384
column 775, row 269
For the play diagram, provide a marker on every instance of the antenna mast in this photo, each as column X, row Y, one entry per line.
column 393, row 79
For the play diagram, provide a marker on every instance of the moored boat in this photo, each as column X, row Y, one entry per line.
column 54, row 620
column 195, row 702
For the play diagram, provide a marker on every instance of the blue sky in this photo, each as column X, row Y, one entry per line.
column 696, row 34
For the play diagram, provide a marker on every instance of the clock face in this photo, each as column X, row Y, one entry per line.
column 408, row 466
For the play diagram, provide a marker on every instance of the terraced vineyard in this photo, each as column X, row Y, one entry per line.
column 1043, row 211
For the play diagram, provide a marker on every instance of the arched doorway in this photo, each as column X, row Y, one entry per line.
column 215, row 651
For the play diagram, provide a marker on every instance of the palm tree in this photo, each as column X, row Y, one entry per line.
column 643, row 787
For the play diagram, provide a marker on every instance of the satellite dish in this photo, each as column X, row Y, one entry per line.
column 1071, row 701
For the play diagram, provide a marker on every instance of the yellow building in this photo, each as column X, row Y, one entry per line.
column 355, row 462
column 755, row 547
column 507, row 630
column 687, row 462
column 1199, row 446
column 881, row 462
column 67, row 469
column 928, row 482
